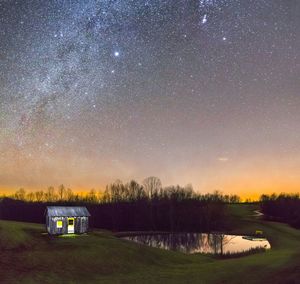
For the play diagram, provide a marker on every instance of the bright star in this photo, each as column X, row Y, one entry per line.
column 117, row 53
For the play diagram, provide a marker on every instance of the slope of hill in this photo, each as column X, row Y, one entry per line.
column 28, row 255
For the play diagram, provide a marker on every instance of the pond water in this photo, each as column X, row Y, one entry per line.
column 200, row 243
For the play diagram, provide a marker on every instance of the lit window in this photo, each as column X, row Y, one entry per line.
column 59, row 223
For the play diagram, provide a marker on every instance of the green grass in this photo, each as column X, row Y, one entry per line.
column 27, row 255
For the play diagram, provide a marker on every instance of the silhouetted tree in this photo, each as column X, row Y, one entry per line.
column 152, row 187
column 50, row 194
column 30, row 196
column 39, row 196
column 61, row 192
column 91, row 197
column 20, row 194
column 282, row 207
column 69, row 194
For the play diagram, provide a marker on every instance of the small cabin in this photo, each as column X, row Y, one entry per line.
column 62, row 220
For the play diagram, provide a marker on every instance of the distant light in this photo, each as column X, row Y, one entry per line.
column 117, row 53
column 224, row 38
column 204, row 19
column 223, row 159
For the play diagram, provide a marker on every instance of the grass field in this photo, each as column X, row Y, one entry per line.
column 28, row 255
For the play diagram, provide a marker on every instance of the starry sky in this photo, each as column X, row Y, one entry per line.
column 204, row 92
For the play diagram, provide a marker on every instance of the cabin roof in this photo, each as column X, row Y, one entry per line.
column 67, row 211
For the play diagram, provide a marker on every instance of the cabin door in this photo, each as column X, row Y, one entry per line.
column 71, row 225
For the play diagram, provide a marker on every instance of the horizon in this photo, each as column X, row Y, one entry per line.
column 100, row 190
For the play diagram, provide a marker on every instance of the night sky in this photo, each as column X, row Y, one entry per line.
column 204, row 92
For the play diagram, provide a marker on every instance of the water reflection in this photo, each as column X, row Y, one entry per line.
column 200, row 243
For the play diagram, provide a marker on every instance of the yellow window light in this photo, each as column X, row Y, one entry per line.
column 59, row 224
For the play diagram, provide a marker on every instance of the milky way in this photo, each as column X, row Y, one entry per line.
column 202, row 91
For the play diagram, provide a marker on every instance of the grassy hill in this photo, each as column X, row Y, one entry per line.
column 28, row 255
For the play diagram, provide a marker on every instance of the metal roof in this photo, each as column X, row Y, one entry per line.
column 67, row 211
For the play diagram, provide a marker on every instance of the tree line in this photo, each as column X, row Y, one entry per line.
column 129, row 206
column 282, row 207
column 59, row 194
column 151, row 188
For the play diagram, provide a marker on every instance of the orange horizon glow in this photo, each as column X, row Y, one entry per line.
column 252, row 195
column 248, row 175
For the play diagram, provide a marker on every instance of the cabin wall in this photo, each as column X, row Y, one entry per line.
column 80, row 225
column 53, row 230
column 47, row 224
column 83, row 225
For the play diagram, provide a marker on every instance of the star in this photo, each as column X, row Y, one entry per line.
column 173, row 81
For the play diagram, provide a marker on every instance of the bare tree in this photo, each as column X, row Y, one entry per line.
column 30, row 196
column 50, row 194
column 20, row 194
column 234, row 199
column 153, row 189
column 69, row 194
column 135, row 190
column 61, row 192
column 91, row 197
column 39, row 195
column 152, row 186
column 116, row 191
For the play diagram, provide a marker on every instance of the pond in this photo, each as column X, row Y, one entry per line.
column 201, row 243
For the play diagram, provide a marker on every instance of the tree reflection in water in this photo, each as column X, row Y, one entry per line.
column 217, row 242
column 198, row 243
